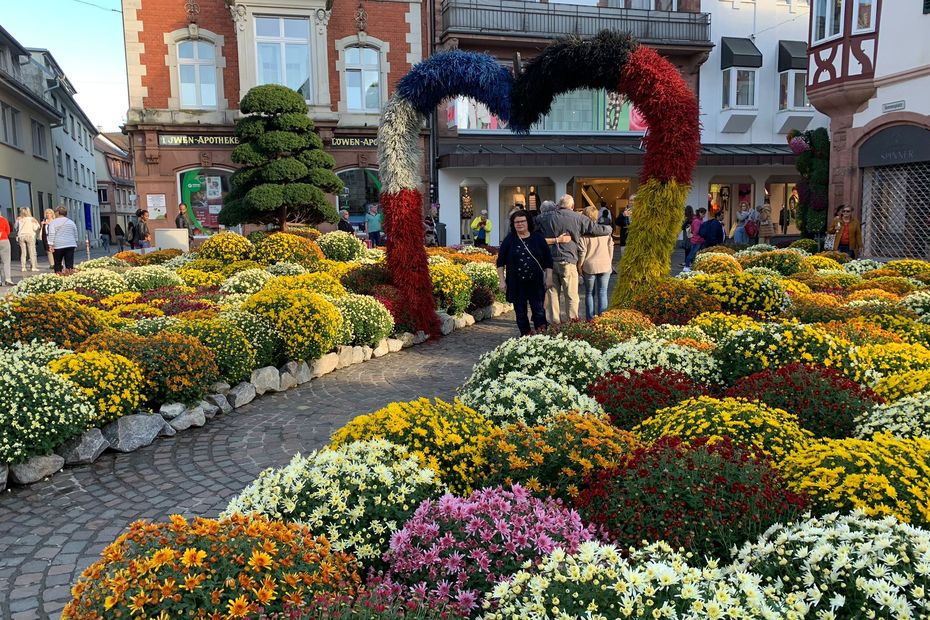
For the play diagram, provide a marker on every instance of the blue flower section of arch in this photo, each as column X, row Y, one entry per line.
column 458, row 74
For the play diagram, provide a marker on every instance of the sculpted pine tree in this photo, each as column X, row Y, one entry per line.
column 285, row 173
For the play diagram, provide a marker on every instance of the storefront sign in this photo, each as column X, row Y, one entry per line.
column 900, row 144
column 353, row 143
column 196, row 140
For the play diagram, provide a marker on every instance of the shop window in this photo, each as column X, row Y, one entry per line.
column 6, row 199
column 792, row 90
column 197, row 74
column 827, row 20
column 202, row 189
column 362, row 79
column 739, row 88
column 283, row 52
column 473, row 199
column 23, row 194
column 362, row 188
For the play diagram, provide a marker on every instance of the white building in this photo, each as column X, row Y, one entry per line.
column 752, row 93
column 73, row 146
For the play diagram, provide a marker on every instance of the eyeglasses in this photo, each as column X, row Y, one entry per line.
column 846, row 211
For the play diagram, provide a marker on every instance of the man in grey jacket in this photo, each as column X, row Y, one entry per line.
column 563, row 300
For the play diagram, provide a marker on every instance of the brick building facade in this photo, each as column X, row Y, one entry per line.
column 190, row 62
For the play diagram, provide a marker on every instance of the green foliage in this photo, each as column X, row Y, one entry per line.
column 284, row 175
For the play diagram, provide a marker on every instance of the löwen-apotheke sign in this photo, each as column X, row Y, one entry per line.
column 353, row 142
column 196, row 140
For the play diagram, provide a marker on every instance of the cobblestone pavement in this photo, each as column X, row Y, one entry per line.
column 52, row 530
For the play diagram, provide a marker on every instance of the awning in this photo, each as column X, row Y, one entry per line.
column 792, row 55
column 561, row 153
column 736, row 52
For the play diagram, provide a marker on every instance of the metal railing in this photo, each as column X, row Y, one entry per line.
column 553, row 20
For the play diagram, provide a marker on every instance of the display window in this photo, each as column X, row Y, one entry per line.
column 202, row 190
column 362, row 187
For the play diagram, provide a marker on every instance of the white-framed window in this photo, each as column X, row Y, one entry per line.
column 363, row 79
column 864, row 16
column 102, row 196
column 39, row 143
column 792, row 90
column 197, row 74
column 58, row 162
column 283, row 53
column 739, row 87
column 10, row 132
column 828, row 20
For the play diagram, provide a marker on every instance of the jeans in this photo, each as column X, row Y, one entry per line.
column 563, row 299
column 595, row 285
column 105, row 241
column 66, row 255
column 529, row 293
column 845, row 250
column 375, row 238
column 695, row 248
column 145, row 244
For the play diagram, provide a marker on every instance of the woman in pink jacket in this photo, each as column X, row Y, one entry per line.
column 696, row 240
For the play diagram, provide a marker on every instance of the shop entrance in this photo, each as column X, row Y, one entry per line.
column 612, row 192
column 725, row 195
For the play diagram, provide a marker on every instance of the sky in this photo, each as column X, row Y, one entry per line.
column 86, row 41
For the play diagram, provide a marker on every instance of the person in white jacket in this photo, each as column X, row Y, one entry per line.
column 26, row 229
column 62, row 239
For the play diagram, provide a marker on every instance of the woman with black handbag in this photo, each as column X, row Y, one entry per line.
column 524, row 270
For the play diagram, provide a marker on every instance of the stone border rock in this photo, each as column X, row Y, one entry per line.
column 136, row 431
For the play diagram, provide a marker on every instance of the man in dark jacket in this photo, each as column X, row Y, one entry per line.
column 563, row 300
column 712, row 232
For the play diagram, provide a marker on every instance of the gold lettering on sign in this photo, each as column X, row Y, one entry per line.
column 196, row 140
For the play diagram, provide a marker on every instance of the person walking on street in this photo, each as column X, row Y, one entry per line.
column 120, row 237
column 712, row 232
column 62, row 238
column 686, row 231
column 143, row 233
column 564, row 300
column 374, row 224
column 6, row 257
column 26, row 229
column 695, row 238
column 524, row 271
column 105, row 237
column 49, row 218
column 595, row 263
column 848, row 232
column 481, row 229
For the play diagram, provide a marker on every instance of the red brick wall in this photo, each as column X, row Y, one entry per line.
column 161, row 16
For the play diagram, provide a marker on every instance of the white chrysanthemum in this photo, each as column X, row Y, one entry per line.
column 644, row 353
column 518, row 397
column 904, row 418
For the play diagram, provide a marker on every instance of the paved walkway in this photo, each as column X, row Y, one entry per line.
column 52, row 530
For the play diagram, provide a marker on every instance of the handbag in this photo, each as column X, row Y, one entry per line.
column 829, row 241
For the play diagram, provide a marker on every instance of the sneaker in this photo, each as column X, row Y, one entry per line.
column 686, row 270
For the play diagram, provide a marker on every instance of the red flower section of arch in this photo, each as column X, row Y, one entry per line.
column 406, row 256
column 657, row 89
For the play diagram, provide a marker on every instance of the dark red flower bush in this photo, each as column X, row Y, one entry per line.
column 631, row 397
column 391, row 298
column 702, row 496
column 481, row 297
column 363, row 280
column 826, row 402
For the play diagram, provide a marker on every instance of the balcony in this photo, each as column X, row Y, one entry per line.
column 535, row 20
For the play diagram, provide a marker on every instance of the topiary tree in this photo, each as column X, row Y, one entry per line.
column 285, row 173
column 813, row 163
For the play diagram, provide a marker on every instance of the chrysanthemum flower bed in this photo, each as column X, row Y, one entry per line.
column 733, row 462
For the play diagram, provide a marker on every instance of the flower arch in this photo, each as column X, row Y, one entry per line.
column 609, row 60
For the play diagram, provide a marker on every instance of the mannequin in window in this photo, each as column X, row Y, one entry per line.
column 467, row 207
column 519, row 199
column 532, row 200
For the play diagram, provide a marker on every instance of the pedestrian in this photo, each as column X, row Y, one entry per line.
column 105, row 236
column 143, row 233
column 740, row 236
column 695, row 237
column 62, row 238
column 180, row 221
column 6, row 257
column 595, row 263
column 46, row 222
column 605, row 217
column 131, row 235
column 374, row 225
column 344, row 224
column 524, row 271
column 120, row 237
column 686, row 231
column 481, row 228
column 712, row 231
column 26, row 229
column 848, row 232
column 564, row 299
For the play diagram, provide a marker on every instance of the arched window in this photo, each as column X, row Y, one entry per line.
column 197, row 74
column 363, row 79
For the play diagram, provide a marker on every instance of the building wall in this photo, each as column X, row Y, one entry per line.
column 19, row 164
column 766, row 23
column 80, row 188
